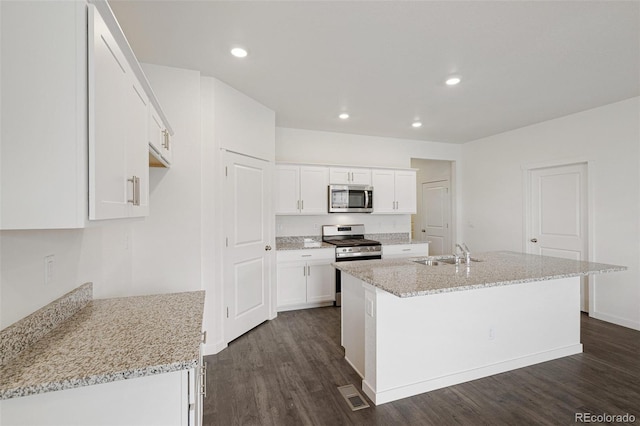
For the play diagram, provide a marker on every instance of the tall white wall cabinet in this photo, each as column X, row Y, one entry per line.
column 76, row 111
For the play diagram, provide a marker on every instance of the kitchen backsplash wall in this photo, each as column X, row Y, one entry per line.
column 292, row 226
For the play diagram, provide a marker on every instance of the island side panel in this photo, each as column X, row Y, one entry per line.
column 418, row 344
column 353, row 322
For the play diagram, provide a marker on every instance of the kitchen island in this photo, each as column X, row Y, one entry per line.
column 409, row 328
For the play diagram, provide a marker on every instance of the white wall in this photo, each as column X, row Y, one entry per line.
column 166, row 251
column 101, row 255
column 609, row 139
column 310, row 146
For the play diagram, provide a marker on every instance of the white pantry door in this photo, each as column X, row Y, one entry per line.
column 436, row 216
column 247, row 266
column 558, row 215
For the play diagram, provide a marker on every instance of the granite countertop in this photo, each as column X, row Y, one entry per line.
column 315, row 241
column 109, row 340
column 405, row 278
column 301, row 243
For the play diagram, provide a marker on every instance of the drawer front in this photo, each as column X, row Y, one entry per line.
column 327, row 254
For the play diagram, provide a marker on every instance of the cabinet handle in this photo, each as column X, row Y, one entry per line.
column 308, row 271
column 301, row 204
column 165, row 139
column 304, row 271
column 406, row 249
column 203, row 380
column 135, row 180
column 298, row 205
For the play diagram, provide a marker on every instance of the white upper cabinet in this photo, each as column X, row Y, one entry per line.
column 394, row 191
column 44, row 115
column 301, row 189
column 349, row 175
column 88, row 156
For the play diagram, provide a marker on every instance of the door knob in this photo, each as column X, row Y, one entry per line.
column 267, row 247
column 534, row 240
column 424, row 230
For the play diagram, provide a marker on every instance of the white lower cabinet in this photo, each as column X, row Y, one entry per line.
column 405, row 250
column 161, row 399
column 305, row 278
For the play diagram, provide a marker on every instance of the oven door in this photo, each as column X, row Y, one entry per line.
column 350, row 199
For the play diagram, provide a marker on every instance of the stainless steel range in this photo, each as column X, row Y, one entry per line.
column 350, row 245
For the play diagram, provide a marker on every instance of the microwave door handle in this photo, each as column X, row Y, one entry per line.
column 366, row 198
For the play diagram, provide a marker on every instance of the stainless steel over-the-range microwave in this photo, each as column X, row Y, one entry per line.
column 350, row 199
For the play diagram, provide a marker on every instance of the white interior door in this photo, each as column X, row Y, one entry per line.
column 436, row 215
column 558, row 215
column 247, row 256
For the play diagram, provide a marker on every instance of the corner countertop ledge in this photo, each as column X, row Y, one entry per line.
column 109, row 340
column 406, row 278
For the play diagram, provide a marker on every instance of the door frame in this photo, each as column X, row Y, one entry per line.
column 527, row 168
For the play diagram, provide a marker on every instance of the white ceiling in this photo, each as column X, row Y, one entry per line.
column 385, row 63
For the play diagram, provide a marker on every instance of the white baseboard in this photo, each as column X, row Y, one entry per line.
column 213, row 348
column 354, row 368
column 615, row 320
column 389, row 395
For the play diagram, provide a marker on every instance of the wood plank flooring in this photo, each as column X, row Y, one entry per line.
column 286, row 372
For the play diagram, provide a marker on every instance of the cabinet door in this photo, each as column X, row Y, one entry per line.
column 287, row 190
column 292, row 288
column 347, row 175
column 405, row 186
column 339, row 175
column 383, row 191
column 321, row 282
column 361, row 176
column 159, row 399
column 107, row 123
column 314, row 187
column 137, row 149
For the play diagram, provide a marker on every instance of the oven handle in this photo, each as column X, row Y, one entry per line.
column 363, row 256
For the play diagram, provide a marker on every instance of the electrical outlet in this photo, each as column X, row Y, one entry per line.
column 49, row 262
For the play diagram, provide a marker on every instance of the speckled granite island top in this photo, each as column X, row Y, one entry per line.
column 406, row 278
column 109, row 340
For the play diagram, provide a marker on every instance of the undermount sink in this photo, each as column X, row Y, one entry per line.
column 450, row 260
column 427, row 262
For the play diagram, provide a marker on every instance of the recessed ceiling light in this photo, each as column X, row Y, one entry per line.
column 452, row 81
column 344, row 116
column 238, row 52
column 416, row 124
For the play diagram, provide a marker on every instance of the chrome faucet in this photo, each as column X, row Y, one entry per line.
column 465, row 250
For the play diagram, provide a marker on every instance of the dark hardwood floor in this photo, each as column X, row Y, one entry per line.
column 286, row 372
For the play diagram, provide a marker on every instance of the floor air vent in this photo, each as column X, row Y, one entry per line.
column 353, row 397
